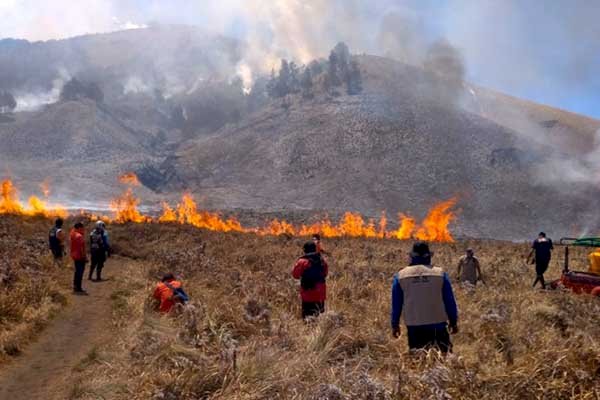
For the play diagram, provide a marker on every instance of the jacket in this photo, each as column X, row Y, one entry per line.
column 319, row 292
column 425, row 295
column 165, row 295
column 77, row 245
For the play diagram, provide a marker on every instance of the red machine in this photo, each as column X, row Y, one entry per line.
column 578, row 281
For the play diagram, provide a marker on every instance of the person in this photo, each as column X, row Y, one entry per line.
column 169, row 292
column 316, row 238
column 99, row 249
column 541, row 251
column 56, row 241
column 469, row 269
column 312, row 271
column 79, row 256
column 424, row 293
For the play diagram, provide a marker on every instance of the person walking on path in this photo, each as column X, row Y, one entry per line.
column 99, row 250
column 312, row 270
column 469, row 269
column 540, row 255
column 79, row 256
column 424, row 294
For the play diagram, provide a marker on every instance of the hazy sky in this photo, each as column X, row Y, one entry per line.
column 544, row 50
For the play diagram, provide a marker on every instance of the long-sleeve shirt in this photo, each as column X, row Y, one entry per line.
column 423, row 289
column 77, row 245
column 319, row 292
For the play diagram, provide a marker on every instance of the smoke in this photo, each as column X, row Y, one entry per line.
column 36, row 99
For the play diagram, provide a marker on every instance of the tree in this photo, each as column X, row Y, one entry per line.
column 294, row 82
column 283, row 82
column 306, row 83
column 77, row 90
column 7, row 102
column 332, row 79
column 353, row 79
column 272, row 84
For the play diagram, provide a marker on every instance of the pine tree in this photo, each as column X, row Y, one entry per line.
column 353, row 79
column 306, row 83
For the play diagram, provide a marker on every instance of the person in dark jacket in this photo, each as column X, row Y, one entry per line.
column 56, row 241
column 424, row 294
column 312, row 271
column 541, row 251
column 79, row 256
column 99, row 250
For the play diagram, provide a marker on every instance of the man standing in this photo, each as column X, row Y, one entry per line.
column 79, row 257
column 541, row 251
column 469, row 269
column 425, row 295
column 99, row 250
column 56, row 241
column 312, row 270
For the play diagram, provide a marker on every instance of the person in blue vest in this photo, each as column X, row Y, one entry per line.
column 424, row 294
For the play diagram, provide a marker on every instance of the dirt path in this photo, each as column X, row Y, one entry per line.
column 45, row 369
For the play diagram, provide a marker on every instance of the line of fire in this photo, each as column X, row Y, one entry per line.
column 125, row 208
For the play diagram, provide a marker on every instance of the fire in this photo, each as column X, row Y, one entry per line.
column 125, row 208
column 10, row 203
column 434, row 226
column 129, row 178
column 187, row 213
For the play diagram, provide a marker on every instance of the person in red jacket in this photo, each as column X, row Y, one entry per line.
column 312, row 271
column 164, row 292
column 79, row 256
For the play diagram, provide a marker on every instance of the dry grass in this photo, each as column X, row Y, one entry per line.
column 241, row 337
column 29, row 283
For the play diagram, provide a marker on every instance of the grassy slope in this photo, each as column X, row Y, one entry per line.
column 241, row 339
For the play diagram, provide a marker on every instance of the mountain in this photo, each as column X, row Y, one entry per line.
column 395, row 147
column 172, row 111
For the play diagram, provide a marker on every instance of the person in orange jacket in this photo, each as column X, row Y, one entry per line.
column 169, row 292
column 311, row 269
column 79, row 256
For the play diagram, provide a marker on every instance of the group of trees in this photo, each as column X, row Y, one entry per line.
column 339, row 70
column 7, row 102
column 77, row 90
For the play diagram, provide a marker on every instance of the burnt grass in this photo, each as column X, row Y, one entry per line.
column 241, row 337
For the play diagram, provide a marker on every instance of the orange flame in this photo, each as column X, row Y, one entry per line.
column 10, row 203
column 433, row 228
column 129, row 178
column 125, row 208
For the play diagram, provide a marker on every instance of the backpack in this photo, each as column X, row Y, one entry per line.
column 179, row 295
column 96, row 240
column 313, row 274
column 53, row 242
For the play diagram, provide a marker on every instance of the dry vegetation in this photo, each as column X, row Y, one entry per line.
column 29, row 283
column 241, row 337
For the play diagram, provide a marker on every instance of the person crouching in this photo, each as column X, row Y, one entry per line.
column 312, row 271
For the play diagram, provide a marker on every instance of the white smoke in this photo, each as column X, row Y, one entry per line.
column 35, row 100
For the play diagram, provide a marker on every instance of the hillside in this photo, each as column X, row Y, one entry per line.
column 173, row 113
column 395, row 147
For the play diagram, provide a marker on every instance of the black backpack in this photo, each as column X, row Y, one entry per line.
column 314, row 273
column 96, row 240
column 53, row 242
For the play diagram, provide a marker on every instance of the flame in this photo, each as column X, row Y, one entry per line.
column 10, row 203
column 406, row 227
column 125, row 208
column 435, row 225
column 129, row 178
column 45, row 187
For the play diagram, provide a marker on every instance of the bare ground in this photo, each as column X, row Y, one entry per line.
column 46, row 368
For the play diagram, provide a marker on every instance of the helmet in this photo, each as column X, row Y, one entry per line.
column 100, row 224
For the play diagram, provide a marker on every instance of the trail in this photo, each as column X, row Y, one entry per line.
column 45, row 369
